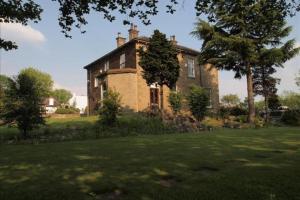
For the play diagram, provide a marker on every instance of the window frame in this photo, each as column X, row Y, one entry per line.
column 191, row 71
column 122, row 60
column 106, row 66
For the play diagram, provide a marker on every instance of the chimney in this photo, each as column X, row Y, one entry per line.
column 173, row 40
column 120, row 40
column 133, row 32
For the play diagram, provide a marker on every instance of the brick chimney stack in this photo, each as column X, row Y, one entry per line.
column 120, row 40
column 173, row 40
column 133, row 32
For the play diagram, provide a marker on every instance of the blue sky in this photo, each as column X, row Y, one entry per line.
column 43, row 46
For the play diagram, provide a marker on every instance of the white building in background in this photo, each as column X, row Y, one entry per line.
column 79, row 101
column 50, row 105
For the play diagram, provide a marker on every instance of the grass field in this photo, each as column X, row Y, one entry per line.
column 226, row 164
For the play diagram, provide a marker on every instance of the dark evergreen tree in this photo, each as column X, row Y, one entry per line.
column 160, row 63
column 235, row 34
column 22, row 104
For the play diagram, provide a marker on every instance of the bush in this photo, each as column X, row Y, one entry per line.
column 175, row 100
column 234, row 111
column 291, row 117
column 110, row 108
column 238, row 111
column 70, row 110
column 198, row 101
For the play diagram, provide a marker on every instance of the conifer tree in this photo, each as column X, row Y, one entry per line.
column 160, row 63
column 235, row 34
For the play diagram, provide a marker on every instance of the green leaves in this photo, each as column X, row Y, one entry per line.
column 159, row 62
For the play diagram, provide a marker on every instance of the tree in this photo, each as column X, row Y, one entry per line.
column 198, row 101
column 4, row 83
column 175, row 100
column 110, row 108
column 73, row 13
column 160, row 63
column 22, row 104
column 43, row 81
column 235, row 34
column 291, row 100
column 230, row 100
column 62, row 96
column 298, row 80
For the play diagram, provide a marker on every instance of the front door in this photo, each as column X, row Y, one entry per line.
column 153, row 97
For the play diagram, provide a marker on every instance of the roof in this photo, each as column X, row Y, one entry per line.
column 145, row 40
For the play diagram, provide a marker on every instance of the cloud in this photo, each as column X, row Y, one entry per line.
column 20, row 33
column 229, row 85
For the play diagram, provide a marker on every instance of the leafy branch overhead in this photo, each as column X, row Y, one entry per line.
column 73, row 13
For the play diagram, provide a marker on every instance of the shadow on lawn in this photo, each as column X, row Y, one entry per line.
column 146, row 168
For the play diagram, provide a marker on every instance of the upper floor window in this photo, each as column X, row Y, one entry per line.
column 122, row 61
column 96, row 82
column 191, row 68
column 106, row 66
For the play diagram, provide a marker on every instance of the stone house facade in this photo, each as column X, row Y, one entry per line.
column 119, row 70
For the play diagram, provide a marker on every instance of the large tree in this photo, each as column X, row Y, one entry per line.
column 160, row 63
column 62, row 96
column 230, row 100
column 235, row 33
column 22, row 104
column 73, row 13
column 43, row 81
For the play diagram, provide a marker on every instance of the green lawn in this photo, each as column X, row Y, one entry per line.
column 225, row 164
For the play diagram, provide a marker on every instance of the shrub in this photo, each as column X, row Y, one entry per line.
column 110, row 108
column 175, row 100
column 234, row 111
column 70, row 110
column 291, row 117
column 198, row 101
column 238, row 111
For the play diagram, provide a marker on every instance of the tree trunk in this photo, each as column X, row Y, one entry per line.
column 251, row 107
column 161, row 98
column 25, row 134
column 266, row 109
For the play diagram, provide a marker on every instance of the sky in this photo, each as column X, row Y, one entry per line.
column 44, row 47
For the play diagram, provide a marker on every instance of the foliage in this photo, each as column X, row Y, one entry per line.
column 175, row 100
column 238, row 34
column 298, row 79
column 70, row 110
column 212, row 123
column 291, row 100
column 159, row 62
column 110, row 108
column 291, row 117
column 22, row 103
column 234, row 111
column 230, row 100
column 4, row 83
column 198, row 101
column 273, row 102
column 16, row 11
column 42, row 81
column 73, row 13
column 62, row 96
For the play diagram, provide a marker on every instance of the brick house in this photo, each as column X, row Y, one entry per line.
column 120, row 70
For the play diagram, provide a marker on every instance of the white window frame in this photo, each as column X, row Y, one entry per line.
column 122, row 61
column 96, row 82
column 106, row 66
column 191, row 67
